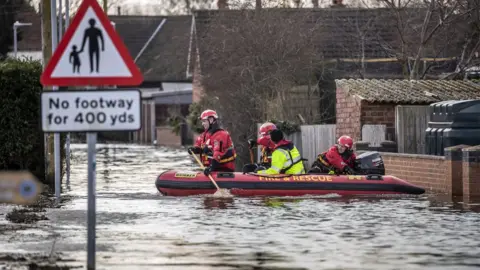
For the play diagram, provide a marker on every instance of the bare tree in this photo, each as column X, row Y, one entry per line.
column 250, row 61
column 469, row 25
column 74, row 4
column 428, row 28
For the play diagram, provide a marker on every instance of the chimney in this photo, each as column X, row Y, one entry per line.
column 337, row 4
column 119, row 11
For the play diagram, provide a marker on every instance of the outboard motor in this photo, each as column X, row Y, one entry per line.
column 370, row 163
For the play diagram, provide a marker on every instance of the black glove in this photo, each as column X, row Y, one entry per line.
column 213, row 165
column 207, row 171
column 315, row 169
column 316, row 164
column 265, row 164
column 247, row 168
column 252, row 143
column 260, row 168
column 348, row 170
column 207, row 150
column 194, row 150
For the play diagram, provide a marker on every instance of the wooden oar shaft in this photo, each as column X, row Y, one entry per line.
column 203, row 167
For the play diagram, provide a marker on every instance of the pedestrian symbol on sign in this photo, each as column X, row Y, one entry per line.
column 93, row 34
column 91, row 53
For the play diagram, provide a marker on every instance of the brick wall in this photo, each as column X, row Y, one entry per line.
column 457, row 174
column 471, row 173
column 422, row 170
column 31, row 36
column 348, row 115
column 379, row 114
column 197, row 87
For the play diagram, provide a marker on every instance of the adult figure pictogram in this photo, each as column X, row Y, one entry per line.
column 93, row 34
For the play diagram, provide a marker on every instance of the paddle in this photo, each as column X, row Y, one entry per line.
column 219, row 192
column 251, row 155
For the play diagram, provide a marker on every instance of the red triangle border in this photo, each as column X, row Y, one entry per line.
column 134, row 80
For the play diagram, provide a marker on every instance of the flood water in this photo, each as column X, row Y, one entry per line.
column 137, row 228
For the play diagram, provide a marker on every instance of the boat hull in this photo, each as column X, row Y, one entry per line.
column 188, row 183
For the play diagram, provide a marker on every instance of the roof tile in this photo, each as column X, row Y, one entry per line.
column 353, row 32
column 410, row 91
column 165, row 58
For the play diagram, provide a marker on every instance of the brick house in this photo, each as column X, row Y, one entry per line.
column 164, row 59
column 372, row 102
column 357, row 43
column 159, row 47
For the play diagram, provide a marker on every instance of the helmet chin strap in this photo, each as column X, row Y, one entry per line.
column 211, row 124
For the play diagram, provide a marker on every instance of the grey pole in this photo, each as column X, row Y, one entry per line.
column 67, row 146
column 67, row 13
column 56, row 138
column 60, row 20
column 15, row 40
column 92, row 204
column 15, row 35
column 91, row 217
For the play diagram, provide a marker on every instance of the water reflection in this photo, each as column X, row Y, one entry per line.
column 218, row 203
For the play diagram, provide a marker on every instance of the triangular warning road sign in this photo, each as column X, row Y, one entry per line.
column 91, row 53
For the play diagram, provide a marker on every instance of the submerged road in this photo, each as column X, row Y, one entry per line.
column 137, row 228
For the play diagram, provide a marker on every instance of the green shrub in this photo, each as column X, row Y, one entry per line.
column 21, row 136
column 193, row 121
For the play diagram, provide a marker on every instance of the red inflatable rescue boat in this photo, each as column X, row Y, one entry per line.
column 370, row 181
column 178, row 183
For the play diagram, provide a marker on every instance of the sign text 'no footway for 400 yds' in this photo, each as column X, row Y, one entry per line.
column 91, row 110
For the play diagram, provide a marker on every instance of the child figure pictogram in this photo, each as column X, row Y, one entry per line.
column 75, row 59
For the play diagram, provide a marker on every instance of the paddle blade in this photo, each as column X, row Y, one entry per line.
column 222, row 193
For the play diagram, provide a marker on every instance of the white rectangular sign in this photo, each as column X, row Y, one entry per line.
column 91, row 110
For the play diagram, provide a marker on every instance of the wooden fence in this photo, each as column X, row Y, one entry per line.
column 411, row 123
column 311, row 140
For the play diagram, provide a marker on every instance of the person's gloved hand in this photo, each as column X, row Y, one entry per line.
column 193, row 150
column 248, row 168
column 207, row 171
column 315, row 169
column 207, row 150
column 252, row 143
column 260, row 168
column 348, row 170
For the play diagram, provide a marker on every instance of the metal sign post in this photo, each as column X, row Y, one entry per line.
column 56, row 136
column 91, row 111
column 92, row 200
column 67, row 140
column 104, row 61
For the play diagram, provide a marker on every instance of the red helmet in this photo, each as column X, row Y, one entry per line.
column 208, row 113
column 266, row 128
column 265, row 141
column 345, row 141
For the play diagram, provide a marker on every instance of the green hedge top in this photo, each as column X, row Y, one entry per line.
column 20, row 132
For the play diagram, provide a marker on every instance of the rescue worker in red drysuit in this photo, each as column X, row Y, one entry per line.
column 214, row 145
column 265, row 142
column 339, row 159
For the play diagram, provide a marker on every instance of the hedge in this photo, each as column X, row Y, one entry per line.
column 21, row 136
